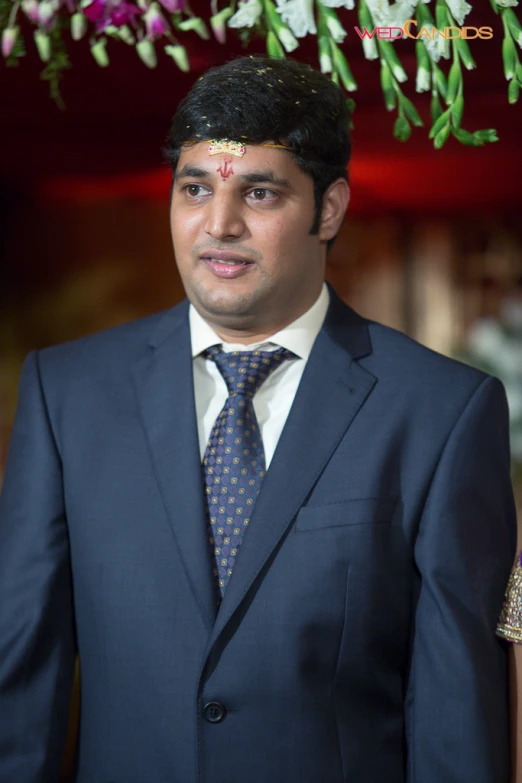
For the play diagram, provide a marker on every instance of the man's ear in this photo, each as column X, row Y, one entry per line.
column 335, row 204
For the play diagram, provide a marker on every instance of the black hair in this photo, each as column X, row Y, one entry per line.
column 261, row 99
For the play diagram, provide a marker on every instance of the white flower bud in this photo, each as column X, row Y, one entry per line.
column 43, row 45
column 147, row 53
column 78, row 26
column 99, row 53
column 179, row 55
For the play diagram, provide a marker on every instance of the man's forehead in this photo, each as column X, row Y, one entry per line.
column 254, row 157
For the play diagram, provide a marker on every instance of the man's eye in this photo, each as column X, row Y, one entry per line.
column 263, row 194
column 193, row 190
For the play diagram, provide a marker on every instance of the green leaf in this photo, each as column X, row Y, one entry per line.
column 465, row 53
column 392, row 58
column 457, row 110
column 343, row 69
column 423, row 58
column 390, row 98
column 423, row 16
column 509, row 57
column 487, row 135
column 365, row 17
column 513, row 91
column 515, row 28
column 436, row 107
column 454, row 81
column 518, row 72
column 467, row 138
column 442, row 137
column 325, row 57
column 442, row 20
column 442, row 121
column 441, row 14
column 440, row 82
column 402, row 129
column 273, row 47
column 411, row 112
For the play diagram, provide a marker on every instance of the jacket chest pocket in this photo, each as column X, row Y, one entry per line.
column 348, row 513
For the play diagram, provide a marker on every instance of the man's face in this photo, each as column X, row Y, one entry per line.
column 241, row 235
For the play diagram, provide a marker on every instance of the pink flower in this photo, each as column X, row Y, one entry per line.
column 30, row 9
column 155, row 22
column 47, row 14
column 173, row 5
column 123, row 14
column 95, row 11
column 110, row 12
column 9, row 36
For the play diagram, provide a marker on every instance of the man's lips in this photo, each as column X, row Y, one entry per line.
column 224, row 255
column 225, row 264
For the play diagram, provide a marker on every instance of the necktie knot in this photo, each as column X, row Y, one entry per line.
column 245, row 371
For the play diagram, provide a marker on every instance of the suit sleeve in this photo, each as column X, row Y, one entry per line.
column 37, row 644
column 457, row 706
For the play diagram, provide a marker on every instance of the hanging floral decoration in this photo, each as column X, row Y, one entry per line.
column 151, row 26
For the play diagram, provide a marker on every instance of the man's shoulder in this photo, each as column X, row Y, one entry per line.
column 122, row 343
column 398, row 356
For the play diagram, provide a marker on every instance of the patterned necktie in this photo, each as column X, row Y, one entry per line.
column 234, row 460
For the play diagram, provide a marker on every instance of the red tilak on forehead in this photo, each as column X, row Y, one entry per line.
column 226, row 168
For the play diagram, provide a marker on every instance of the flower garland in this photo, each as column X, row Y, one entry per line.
column 149, row 25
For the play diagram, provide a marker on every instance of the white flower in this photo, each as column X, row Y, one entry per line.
column 298, row 15
column 435, row 47
column 370, row 49
column 422, row 82
column 459, row 10
column 287, row 39
column 325, row 63
column 507, row 3
column 336, row 29
column 247, row 14
column 395, row 15
column 349, row 4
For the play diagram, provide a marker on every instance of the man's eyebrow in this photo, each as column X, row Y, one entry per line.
column 258, row 177
column 191, row 171
column 252, row 177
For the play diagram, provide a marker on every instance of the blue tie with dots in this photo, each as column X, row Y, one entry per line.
column 234, row 461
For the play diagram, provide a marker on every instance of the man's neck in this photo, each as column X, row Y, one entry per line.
column 248, row 334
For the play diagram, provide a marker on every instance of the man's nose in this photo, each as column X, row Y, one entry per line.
column 224, row 217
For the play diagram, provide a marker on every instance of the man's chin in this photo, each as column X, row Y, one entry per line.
column 231, row 307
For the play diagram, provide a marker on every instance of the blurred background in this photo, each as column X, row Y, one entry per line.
column 432, row 244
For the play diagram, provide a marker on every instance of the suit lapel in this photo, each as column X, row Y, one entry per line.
column 164, row 385
column 332, row 390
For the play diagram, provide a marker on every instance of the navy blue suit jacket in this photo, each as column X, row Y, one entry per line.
column 356, row 639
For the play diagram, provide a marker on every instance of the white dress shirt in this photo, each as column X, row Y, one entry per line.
column 274, row 399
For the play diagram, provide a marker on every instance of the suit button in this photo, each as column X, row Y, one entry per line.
column 214, row 712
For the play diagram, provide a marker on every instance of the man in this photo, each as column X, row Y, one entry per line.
column 276, row 534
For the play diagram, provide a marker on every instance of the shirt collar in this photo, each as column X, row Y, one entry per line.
column 298, row 337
